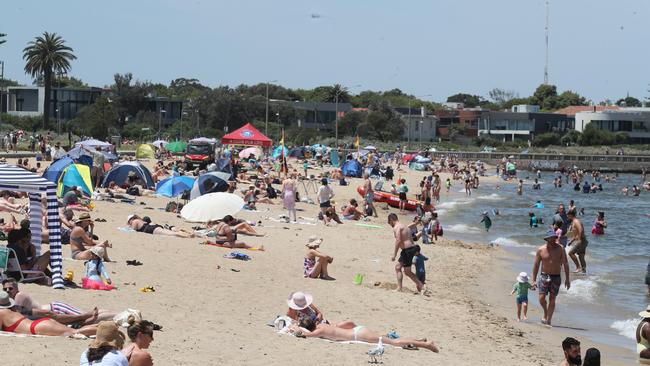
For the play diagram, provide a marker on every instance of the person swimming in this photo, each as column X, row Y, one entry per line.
column 532, row 221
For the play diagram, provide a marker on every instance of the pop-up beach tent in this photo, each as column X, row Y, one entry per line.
column 120, row 173
column 351, row 168
column 75, row 175
column 145, row 151
column 18, row 179
column 247, row 135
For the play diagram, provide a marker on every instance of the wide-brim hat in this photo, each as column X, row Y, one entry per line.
column 314, row 241
column 6, row 302
column 98, row 251
column 645, row 313
column 108, row 334
column 299, row 300
column 84, row 216
column 523, row 277
column 550, row 234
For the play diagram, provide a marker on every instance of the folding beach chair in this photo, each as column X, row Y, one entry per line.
column 11, row 265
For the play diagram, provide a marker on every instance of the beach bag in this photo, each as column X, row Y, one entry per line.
column 122, row 319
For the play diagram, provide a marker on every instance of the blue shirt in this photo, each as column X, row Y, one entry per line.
column 419, row 264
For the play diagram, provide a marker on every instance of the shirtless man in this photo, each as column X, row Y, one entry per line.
column 409, row 249
column 552, row 258
column 578, row 243
column 224, row 234
column 369, row 193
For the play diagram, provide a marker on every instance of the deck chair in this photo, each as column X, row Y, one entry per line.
column 11, row 264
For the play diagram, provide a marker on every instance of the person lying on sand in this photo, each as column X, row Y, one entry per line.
column 239, row 226
column 136, row 223
column 357, row 333
column 12, row 321
column 59, row 311
column 225, row 235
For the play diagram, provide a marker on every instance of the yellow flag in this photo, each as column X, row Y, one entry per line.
column 282, row 139
column 357, row 142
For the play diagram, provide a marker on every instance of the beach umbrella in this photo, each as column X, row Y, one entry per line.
column 159, row 143
column 248, row 151
column 174, row 186
column 176, row 146
column 212, row 206
column 370, row 147
column 278, row 151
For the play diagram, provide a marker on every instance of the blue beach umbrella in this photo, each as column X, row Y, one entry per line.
column 174, row 186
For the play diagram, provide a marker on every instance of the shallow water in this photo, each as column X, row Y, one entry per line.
column 606, row 301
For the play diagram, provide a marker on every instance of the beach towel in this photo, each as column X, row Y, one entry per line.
column 225, row 246
column 237, row 255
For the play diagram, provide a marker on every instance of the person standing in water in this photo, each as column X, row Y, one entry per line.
column 599, row 224
column 552, row 258
column 486, row 221
column 520, row 187
column 643, row 336
column 579, row 249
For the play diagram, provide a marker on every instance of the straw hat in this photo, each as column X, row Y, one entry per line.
column 299, row 300
column 84, row 216
column 98, row 251
column 6, row 302
column 314, row 241
column 645, row 313
column 523, row 277
column 108, row 335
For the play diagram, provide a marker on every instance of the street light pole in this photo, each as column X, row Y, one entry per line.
column 160, row 121
column 266, row 120
column 409, row 119
column 420, row 144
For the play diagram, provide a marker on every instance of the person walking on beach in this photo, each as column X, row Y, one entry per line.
column 579, row 249
column 521, row 288
column 552, row 258
column 404, row 242
column 289, row 197
column 369, row 194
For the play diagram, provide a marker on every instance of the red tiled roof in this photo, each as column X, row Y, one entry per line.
column 572, row 110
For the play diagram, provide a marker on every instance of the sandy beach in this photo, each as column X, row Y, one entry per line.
column 215, row 310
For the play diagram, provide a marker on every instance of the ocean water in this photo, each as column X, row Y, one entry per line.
column 601, row 305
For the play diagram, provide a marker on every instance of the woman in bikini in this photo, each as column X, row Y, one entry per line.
column 141, row 335
column 224, row 235
column 136, row 223
column 316, row 262
column 12, row 321
column 80, row 242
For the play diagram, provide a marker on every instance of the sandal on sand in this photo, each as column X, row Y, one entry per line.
column 410, row 347
column 133, row 262
column 148, row 289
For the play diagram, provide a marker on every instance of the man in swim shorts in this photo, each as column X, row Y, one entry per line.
column 369, row 193
column 404, row 242
column 552, row 258
column 578, row 243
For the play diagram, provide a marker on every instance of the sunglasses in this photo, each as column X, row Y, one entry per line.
column 7, row 289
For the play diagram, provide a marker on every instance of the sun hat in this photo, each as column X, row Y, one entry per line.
column 550, row 234
column 299, row 300
column 6, row 302
column 523, row 277
column 314, row 241
column 645, row 313
column 108, row 335
column 98, row 251
column 84, row 216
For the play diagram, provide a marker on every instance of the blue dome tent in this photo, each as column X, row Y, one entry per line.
column 351, row 168
column 208, row 183
column 120, row 173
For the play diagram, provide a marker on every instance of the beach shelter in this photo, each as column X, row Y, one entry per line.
column 212, row 206
column 159, row 143
column 92, row 143
column 54, row 171
column 204, row 139
column 75, row 175
column 14, row 178
column 334, row 158
column 247, row 135
column 176, row 146
column 120, row 172
column 174, row 186
column 244, row 154
column 297, row 152
column 351, row 168
column 208, row 183
column 145, row 151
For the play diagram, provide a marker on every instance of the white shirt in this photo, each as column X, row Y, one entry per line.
column 325, row 194
column 113, row 358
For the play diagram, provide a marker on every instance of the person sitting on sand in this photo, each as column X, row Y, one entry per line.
column 350, row 212
column 12, row 321
column 59, row 311
column 357, row 333
column 105, row 348
column 302, row 308
column 96, row 274
column 136, row 223
column 225, row 236
column 315, row 261
column 73, row 199
column 81, row 242
column 140, row 333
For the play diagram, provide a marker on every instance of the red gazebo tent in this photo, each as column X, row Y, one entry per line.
column 246, row 135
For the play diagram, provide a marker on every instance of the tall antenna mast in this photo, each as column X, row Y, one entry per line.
column 546, row 29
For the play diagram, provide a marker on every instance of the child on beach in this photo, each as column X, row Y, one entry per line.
column 521, row 288
column 486, row 221
column 95, row 270
column 402, row 189
column 418, row 260
column 448, row 184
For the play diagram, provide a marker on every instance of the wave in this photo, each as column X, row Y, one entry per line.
column 491, row 197
column 463, row 229
column 626, row 328
column 508, row 242
column 583, row 290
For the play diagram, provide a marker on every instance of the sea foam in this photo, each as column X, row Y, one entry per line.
column 583, row 290
column 462, row 228
column 626, row 328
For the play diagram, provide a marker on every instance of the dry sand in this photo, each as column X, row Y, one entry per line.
column 214, row 315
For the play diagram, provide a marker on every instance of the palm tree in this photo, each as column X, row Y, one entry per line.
column 44, row 56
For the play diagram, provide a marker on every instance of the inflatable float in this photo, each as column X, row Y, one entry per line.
column 391, row 199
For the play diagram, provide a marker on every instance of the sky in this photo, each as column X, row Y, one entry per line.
column 427, row 48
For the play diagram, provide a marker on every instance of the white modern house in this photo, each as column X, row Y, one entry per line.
column 633, row 121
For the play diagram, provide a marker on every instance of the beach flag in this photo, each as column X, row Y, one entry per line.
column 357, row 142
column 282, row 139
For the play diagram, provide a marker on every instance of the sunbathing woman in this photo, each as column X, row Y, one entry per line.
column 224, row 235
column 357, row 333
column 238, row 226
column 136, row 223
column 13, row 321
